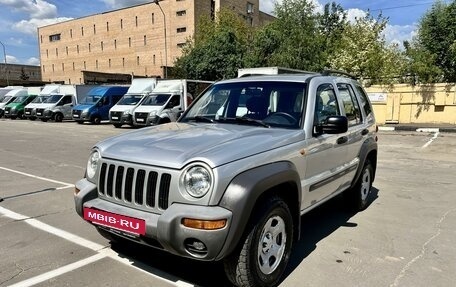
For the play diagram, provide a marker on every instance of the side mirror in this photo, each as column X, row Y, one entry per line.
column 100, row 103
column 333, row 125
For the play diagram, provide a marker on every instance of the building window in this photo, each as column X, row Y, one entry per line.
column 94, row 29
column 121, row 24
column 53, row 68
column 123, row 62
column 85, row 66
column 153, row 59
column 115, row 44
column 90, row 48
column 136, row 21
column 73, row 66
column 71, row 33
column 137, row 60
column 41, row 38
column 129, row 41
column 107, row 26
column 180, row 45
column 44, row 69
column 213, row 10
column 63, row 67
column 145, row 40
column 109, row 63
column 66, row 50
column 96, row 64
column 56, row 52
column 250, row 8
column 101, row 44
column 47, row 53
column 55, row 37
column 181, row 13
column 77, row 48
column 82, row 31
column 181, row 30
column 153, row 18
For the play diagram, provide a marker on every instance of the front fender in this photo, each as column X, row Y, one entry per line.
column 244, row 191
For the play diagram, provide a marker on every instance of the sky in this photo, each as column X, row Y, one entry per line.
column 20, row 18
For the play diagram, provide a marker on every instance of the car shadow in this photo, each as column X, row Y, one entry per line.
column 315, row 226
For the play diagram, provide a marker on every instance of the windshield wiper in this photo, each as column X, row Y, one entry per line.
column 245, row 120
column 201, row 119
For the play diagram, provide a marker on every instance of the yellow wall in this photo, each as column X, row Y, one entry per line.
column 414, row 104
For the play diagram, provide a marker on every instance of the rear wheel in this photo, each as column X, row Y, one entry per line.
column 261, row 258
column 96, row 120
column 359, row 195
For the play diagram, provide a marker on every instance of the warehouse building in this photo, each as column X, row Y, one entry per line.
column 115, row 45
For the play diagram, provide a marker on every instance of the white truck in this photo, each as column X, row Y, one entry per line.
column 167, row 101
column 9, row 97
column 247, row 72
column 57, row 106
column 122, row 112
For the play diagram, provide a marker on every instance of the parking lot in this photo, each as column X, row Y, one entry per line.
column 404, row 238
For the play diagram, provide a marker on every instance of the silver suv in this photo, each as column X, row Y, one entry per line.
column 230, row 180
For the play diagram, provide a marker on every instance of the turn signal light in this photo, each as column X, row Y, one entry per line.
column 204, row 224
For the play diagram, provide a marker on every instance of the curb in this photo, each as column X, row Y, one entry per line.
column 417, row 129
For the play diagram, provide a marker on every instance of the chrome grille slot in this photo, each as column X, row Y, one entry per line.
column 142, row 187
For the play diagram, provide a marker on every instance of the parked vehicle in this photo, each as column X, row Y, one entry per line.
column 15, row 109
column 6, row 97
column 30, row 109
column 167, row 101
column 215, row 186
column 121, row 113
column 96, row 105
column 56, row 107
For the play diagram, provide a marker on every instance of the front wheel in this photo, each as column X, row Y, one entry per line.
column 358, row 196
column 58, row 117
column 96, row 120
column 261, row 258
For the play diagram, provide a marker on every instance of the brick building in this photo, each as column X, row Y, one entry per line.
column 128, row 41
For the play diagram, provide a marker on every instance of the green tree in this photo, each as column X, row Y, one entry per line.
column 217, row 50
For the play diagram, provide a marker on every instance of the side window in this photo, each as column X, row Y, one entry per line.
column 175, row 101
column 351, row 105
column 364, row 100
column 66, row 100
column 325, row 103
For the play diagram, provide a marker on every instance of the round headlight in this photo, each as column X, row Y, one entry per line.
column 92, row 164
column 197, row 181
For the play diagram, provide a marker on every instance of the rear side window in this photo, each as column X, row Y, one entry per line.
column 364, row 102
column 350, row 104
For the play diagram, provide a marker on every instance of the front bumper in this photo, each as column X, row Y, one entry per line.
column 165, row 228
column 124, row 119
column 46, row 114
column 81, row 117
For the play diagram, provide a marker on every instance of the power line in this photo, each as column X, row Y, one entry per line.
column 402, row 6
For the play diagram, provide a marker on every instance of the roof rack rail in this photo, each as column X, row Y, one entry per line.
column 337, row 72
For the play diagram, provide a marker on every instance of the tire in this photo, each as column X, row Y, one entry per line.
column 32, row 118
column 80, row 122
column 96, row 120
column 262, row 257
column 359, row 195
column 44, row 120
column 58, row 117
column 117, row 126
column 13, row 117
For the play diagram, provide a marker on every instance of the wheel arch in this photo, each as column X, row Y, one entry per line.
column 368, row 152
column 250, row 189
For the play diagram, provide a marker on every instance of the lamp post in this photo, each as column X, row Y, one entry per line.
column 164, row 27
column 6, row 72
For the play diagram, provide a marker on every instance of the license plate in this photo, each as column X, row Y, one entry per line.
column 140, row 120
column 27, row 113
column 76, row 116
column 116, row 221
column 6, row 112
column 38, row 114
column 115, row 118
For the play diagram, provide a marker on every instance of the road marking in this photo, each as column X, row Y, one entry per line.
column 59, row 271
column 431, row 140
column 100, row 249
column 428, row 130
column 37, row 177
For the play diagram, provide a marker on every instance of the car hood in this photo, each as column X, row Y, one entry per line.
column 46, row 106
column 122, row 108
column 82, row 107
column 174, row 145
column 147, row 109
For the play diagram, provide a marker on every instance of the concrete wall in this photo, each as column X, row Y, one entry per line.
column 414, row 104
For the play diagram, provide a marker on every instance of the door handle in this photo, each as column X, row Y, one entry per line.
column 364, row 132
column 342, row 140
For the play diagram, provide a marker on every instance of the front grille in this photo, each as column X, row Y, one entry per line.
column 135, row 186
column 40, row 112
column 116, row 114
column 76, row 112
column 28, row 111
column 7, row 110
column 141, row 118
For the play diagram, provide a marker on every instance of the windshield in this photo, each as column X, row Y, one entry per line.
column 20, row 99
column 129, row 100
column 6, row 99
column 266, row 103
column 53, row 99
column 91, row 99
column 156, row 100
column 39, row 99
